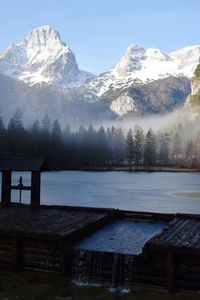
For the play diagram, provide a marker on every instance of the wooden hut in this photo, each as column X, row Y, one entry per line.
column 179, row 247
column 34, row 165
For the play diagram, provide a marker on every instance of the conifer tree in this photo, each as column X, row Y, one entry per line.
column 163, row 155
column 150, row 148
column 120, row 146
column 101, row 144
column 46, row 125
column 16, row 135
column 2, row 137
column 138, row 146
column 129, row 148
column 56, row 133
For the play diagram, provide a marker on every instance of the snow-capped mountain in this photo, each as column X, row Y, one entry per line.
column 41, row 58
column 153, row 64
column 139, row 66
column 42, row 75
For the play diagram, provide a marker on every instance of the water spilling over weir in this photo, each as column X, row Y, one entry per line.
column 117, row 270
column 110, row 255
column 107, row 246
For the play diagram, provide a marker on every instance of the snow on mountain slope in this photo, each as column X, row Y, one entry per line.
column 140, row 65
column 43, row 58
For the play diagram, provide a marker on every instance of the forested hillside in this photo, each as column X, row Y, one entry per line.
column 99, row 147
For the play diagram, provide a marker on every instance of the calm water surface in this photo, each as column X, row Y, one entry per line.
column 123, row 236
column 132, row 191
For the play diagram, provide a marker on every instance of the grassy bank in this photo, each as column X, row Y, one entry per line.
column 42, row 286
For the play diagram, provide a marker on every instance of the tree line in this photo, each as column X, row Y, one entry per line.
column 91, row 147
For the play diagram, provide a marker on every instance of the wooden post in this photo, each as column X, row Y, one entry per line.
column 5, row 188
column 35, row 189
column 171, row 273
column 17, row 254
column 62, row 256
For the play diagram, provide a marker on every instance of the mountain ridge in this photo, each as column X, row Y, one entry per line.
column 42, row 58
column 46, row 64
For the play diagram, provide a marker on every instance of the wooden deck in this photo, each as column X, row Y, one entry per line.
column 47, row 222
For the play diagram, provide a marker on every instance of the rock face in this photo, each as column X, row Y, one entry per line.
column 40, row 74
column 196, row 81
column 160, row 96
column 42, row 58
column 194, row 98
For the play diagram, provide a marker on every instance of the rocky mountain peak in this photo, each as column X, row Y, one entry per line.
column 134, row 49
column 42, row 58
column 131, row 60
column 43, row 36
column 144, row 80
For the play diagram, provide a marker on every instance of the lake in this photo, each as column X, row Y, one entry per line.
column 155, row 192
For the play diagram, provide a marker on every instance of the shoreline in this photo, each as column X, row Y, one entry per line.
column 133, row 169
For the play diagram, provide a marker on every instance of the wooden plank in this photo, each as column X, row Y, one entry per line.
column 35, row 265
column 35, row 191
column 173, row 232
column 5, row 193
column 171, row 273
column 17, row 187
column 41, row 251
column 180, row 234
column 40, row 258
column 6, row 261
column 17, row 254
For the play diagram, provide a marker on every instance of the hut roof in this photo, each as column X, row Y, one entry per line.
column 23, row 164
column 48, row 221
column 180, row 233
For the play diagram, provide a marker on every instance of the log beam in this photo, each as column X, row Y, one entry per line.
column 35, row 189
column 17, row 254
column 171, row 273
column 6, row 192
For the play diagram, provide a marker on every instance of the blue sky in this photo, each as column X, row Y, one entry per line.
column 99, row 31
